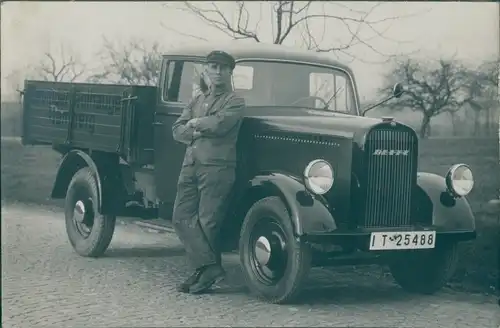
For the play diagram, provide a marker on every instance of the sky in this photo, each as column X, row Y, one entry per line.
column 468, row 30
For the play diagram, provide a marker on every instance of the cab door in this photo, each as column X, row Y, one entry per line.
column 177, row 86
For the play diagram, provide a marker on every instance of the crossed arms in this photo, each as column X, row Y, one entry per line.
column 187, row 128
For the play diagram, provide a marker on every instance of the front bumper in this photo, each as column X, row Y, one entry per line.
column 361, row 237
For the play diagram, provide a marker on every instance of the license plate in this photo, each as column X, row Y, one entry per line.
column 380, row 241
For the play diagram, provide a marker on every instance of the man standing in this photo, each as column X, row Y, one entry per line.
column 209, row 126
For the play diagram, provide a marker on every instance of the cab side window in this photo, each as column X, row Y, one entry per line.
column 182, row 81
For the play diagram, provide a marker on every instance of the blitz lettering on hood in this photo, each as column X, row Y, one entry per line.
column 391, row 152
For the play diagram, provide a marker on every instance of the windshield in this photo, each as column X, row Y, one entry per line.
column 266, row 83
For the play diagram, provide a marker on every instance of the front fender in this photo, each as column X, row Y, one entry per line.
column 70, row 164
column 453, row 216
column 308, row 212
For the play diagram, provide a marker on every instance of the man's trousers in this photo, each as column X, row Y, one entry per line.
column 199, row 209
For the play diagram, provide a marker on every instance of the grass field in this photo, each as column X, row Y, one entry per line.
column 28, row 173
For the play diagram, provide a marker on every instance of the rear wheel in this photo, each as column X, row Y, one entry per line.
column 275, row 264
column 425, row 271
column 89, row 232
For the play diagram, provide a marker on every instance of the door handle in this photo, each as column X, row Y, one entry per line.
column 157, row 123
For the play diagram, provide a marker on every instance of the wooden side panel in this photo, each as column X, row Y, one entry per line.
column 80, row 115
column 100, row 117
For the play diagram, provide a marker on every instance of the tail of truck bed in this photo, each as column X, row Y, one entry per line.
column 99, row 117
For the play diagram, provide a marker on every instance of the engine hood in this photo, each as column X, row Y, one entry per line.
column 314, row 122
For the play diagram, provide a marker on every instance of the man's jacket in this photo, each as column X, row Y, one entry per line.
column 220, row 116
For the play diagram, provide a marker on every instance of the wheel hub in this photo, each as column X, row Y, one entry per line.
column 263, row 250
column 269, row 252
column 79, row 212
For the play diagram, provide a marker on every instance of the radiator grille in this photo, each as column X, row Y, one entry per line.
column 391, row 164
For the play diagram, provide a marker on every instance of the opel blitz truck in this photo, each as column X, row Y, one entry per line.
column 317, row 182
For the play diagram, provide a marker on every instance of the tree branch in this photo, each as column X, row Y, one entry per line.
column 133, row 63
column 222, row 24
column 63, row 68
column 434, row 89
column 287, row 16
column 183, row 33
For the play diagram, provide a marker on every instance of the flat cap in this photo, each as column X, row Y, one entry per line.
column 221, row 57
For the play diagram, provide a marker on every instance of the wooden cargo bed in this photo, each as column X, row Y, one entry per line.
column 100, row 117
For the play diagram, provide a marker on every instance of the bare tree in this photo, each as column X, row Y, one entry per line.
column 432, row 89
column 299, row 21
column 491, row 80
column 13, row 84
column 489, row 72
column 482, row 95
column 61, row 66
column 133, row 63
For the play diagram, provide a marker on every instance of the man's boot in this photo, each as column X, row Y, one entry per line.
column 191, row 280
column 211, row 274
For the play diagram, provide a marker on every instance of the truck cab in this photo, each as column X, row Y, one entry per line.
column 268, row 84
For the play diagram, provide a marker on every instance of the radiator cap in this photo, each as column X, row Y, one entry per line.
column 387, row 118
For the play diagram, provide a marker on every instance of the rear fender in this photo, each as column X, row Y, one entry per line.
column 448, row 213
column 309, row 213
column 70, row 164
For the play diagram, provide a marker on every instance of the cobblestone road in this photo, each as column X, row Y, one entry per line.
column 46, row 284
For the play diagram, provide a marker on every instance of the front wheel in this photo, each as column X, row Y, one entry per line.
column 275, row 264
column 89, row 232
column 425, row 271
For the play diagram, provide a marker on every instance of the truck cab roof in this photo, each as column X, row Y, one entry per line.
column 244, row 50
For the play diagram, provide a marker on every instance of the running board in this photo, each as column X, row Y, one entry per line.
column 160, row 225
column 156, row 224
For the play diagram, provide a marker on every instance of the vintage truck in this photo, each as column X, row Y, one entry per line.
column 317, row 182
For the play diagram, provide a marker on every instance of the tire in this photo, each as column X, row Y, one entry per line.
column 92, row 236
column 425, row 272
column 265, row 216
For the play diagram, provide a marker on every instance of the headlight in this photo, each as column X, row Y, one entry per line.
column 318, row 176
column 459, row 180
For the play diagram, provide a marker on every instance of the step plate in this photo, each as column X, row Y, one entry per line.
column 157, row 224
